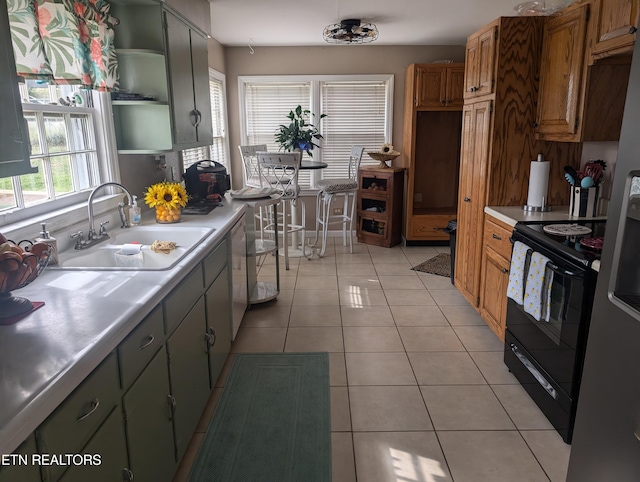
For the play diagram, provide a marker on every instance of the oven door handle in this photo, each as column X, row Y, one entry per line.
column 536, row 374
column 563, row 272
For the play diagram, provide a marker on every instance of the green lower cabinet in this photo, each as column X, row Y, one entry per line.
column 218, row 324
column 22, row 468
column 104, row 457
column 149, row 429
column 189, row 374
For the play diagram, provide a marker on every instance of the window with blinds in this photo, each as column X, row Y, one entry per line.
column 356, row 115
column 267, row 105
column 218, row 150
column 357, row 108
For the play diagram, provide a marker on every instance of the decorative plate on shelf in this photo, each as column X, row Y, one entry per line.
column 566, row 229
column 253, row 193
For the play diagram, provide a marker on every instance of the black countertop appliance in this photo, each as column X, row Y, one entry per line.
column 206, row 181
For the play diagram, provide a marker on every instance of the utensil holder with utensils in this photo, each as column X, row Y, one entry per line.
column 584, row 202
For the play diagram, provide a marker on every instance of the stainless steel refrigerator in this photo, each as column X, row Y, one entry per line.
column 606, row 441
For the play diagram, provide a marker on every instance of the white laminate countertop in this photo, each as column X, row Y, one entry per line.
column 514, row 214
column 46, row 355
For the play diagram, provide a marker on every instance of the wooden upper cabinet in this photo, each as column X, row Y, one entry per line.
column 615, row 23
column 561, row 76
column 439, row 86
column 480, row 63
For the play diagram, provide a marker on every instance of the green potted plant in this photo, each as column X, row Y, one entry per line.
column 300, row 133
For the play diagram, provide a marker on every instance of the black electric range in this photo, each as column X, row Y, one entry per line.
column 546, row 355
column 576, row 248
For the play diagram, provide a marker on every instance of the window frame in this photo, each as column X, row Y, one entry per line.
column 71, row 208
column 315, row 103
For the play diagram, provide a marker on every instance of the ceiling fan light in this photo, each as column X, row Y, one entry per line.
column 350, row 31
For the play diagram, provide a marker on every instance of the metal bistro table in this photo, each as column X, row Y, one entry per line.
column 295, row 251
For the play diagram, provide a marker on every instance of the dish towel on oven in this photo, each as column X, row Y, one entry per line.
column 515, row 289
column 537, row 291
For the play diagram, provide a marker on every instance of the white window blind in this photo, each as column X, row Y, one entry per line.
column 267, row 106
column 356, row 115
column 217, row 150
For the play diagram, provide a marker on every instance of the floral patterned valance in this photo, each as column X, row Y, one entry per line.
column 65, row 42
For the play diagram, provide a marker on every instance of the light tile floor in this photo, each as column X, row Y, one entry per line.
column 419, row 392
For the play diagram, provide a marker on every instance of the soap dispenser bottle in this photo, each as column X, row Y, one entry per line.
column 46, row 238
column 134, row 212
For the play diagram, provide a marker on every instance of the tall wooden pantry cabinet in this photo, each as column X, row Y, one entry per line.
column 431, row 148
column 498, row 142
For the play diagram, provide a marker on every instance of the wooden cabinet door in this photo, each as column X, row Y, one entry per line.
column 218, row 324
column 14, row 135
column 454, row 97
column 486, row 62
column 147, row 414
column 430, row 87
column 493, row 299
column 480, row 64
column 615, row 23
column 472, row 56
column 109, row 443
column 561, row 75
column 181, row 81
column 473, row 166
column 189, row 374
column 202, row 97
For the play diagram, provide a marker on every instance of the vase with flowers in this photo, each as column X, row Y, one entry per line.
column 168, row 199
column 300, row 133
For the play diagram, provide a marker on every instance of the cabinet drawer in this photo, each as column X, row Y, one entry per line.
column 136, row 351
column 497, row 238
column 430, row 227
column 75, row 421
column 180, row 301
column 215, row 262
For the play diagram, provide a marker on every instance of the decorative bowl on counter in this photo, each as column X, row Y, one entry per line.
column 18, row 268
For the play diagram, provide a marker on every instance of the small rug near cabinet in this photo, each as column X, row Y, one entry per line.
column 440, row 265
column 272, row 422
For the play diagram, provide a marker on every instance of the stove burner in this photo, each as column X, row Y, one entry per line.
column 566, row 229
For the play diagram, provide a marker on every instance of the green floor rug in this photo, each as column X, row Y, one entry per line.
column 272, row 423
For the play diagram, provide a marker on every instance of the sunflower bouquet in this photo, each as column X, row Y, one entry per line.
column 168, row 198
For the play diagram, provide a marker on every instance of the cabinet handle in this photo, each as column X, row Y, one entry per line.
column 150, row 339
column 171, row 402
column 473, row 89
column 535, row 124
column 212, row 331
column 505, row 270
column 632, row 30
column 495, row 236
column 127, row 475
column 467, row 200
column 95, row 403
column 197, row 117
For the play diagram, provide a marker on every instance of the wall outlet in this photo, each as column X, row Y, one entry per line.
column 338, row 212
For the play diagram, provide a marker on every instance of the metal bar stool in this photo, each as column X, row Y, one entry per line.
column 346, row 187
column 281, row 170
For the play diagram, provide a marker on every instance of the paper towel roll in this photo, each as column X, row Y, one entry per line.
column 538, row 183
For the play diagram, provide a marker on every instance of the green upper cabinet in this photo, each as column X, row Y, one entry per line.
column 14, row 137
column 164, row 59
column 189, row 81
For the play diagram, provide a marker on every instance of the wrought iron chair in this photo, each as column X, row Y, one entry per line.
column 346, row 187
